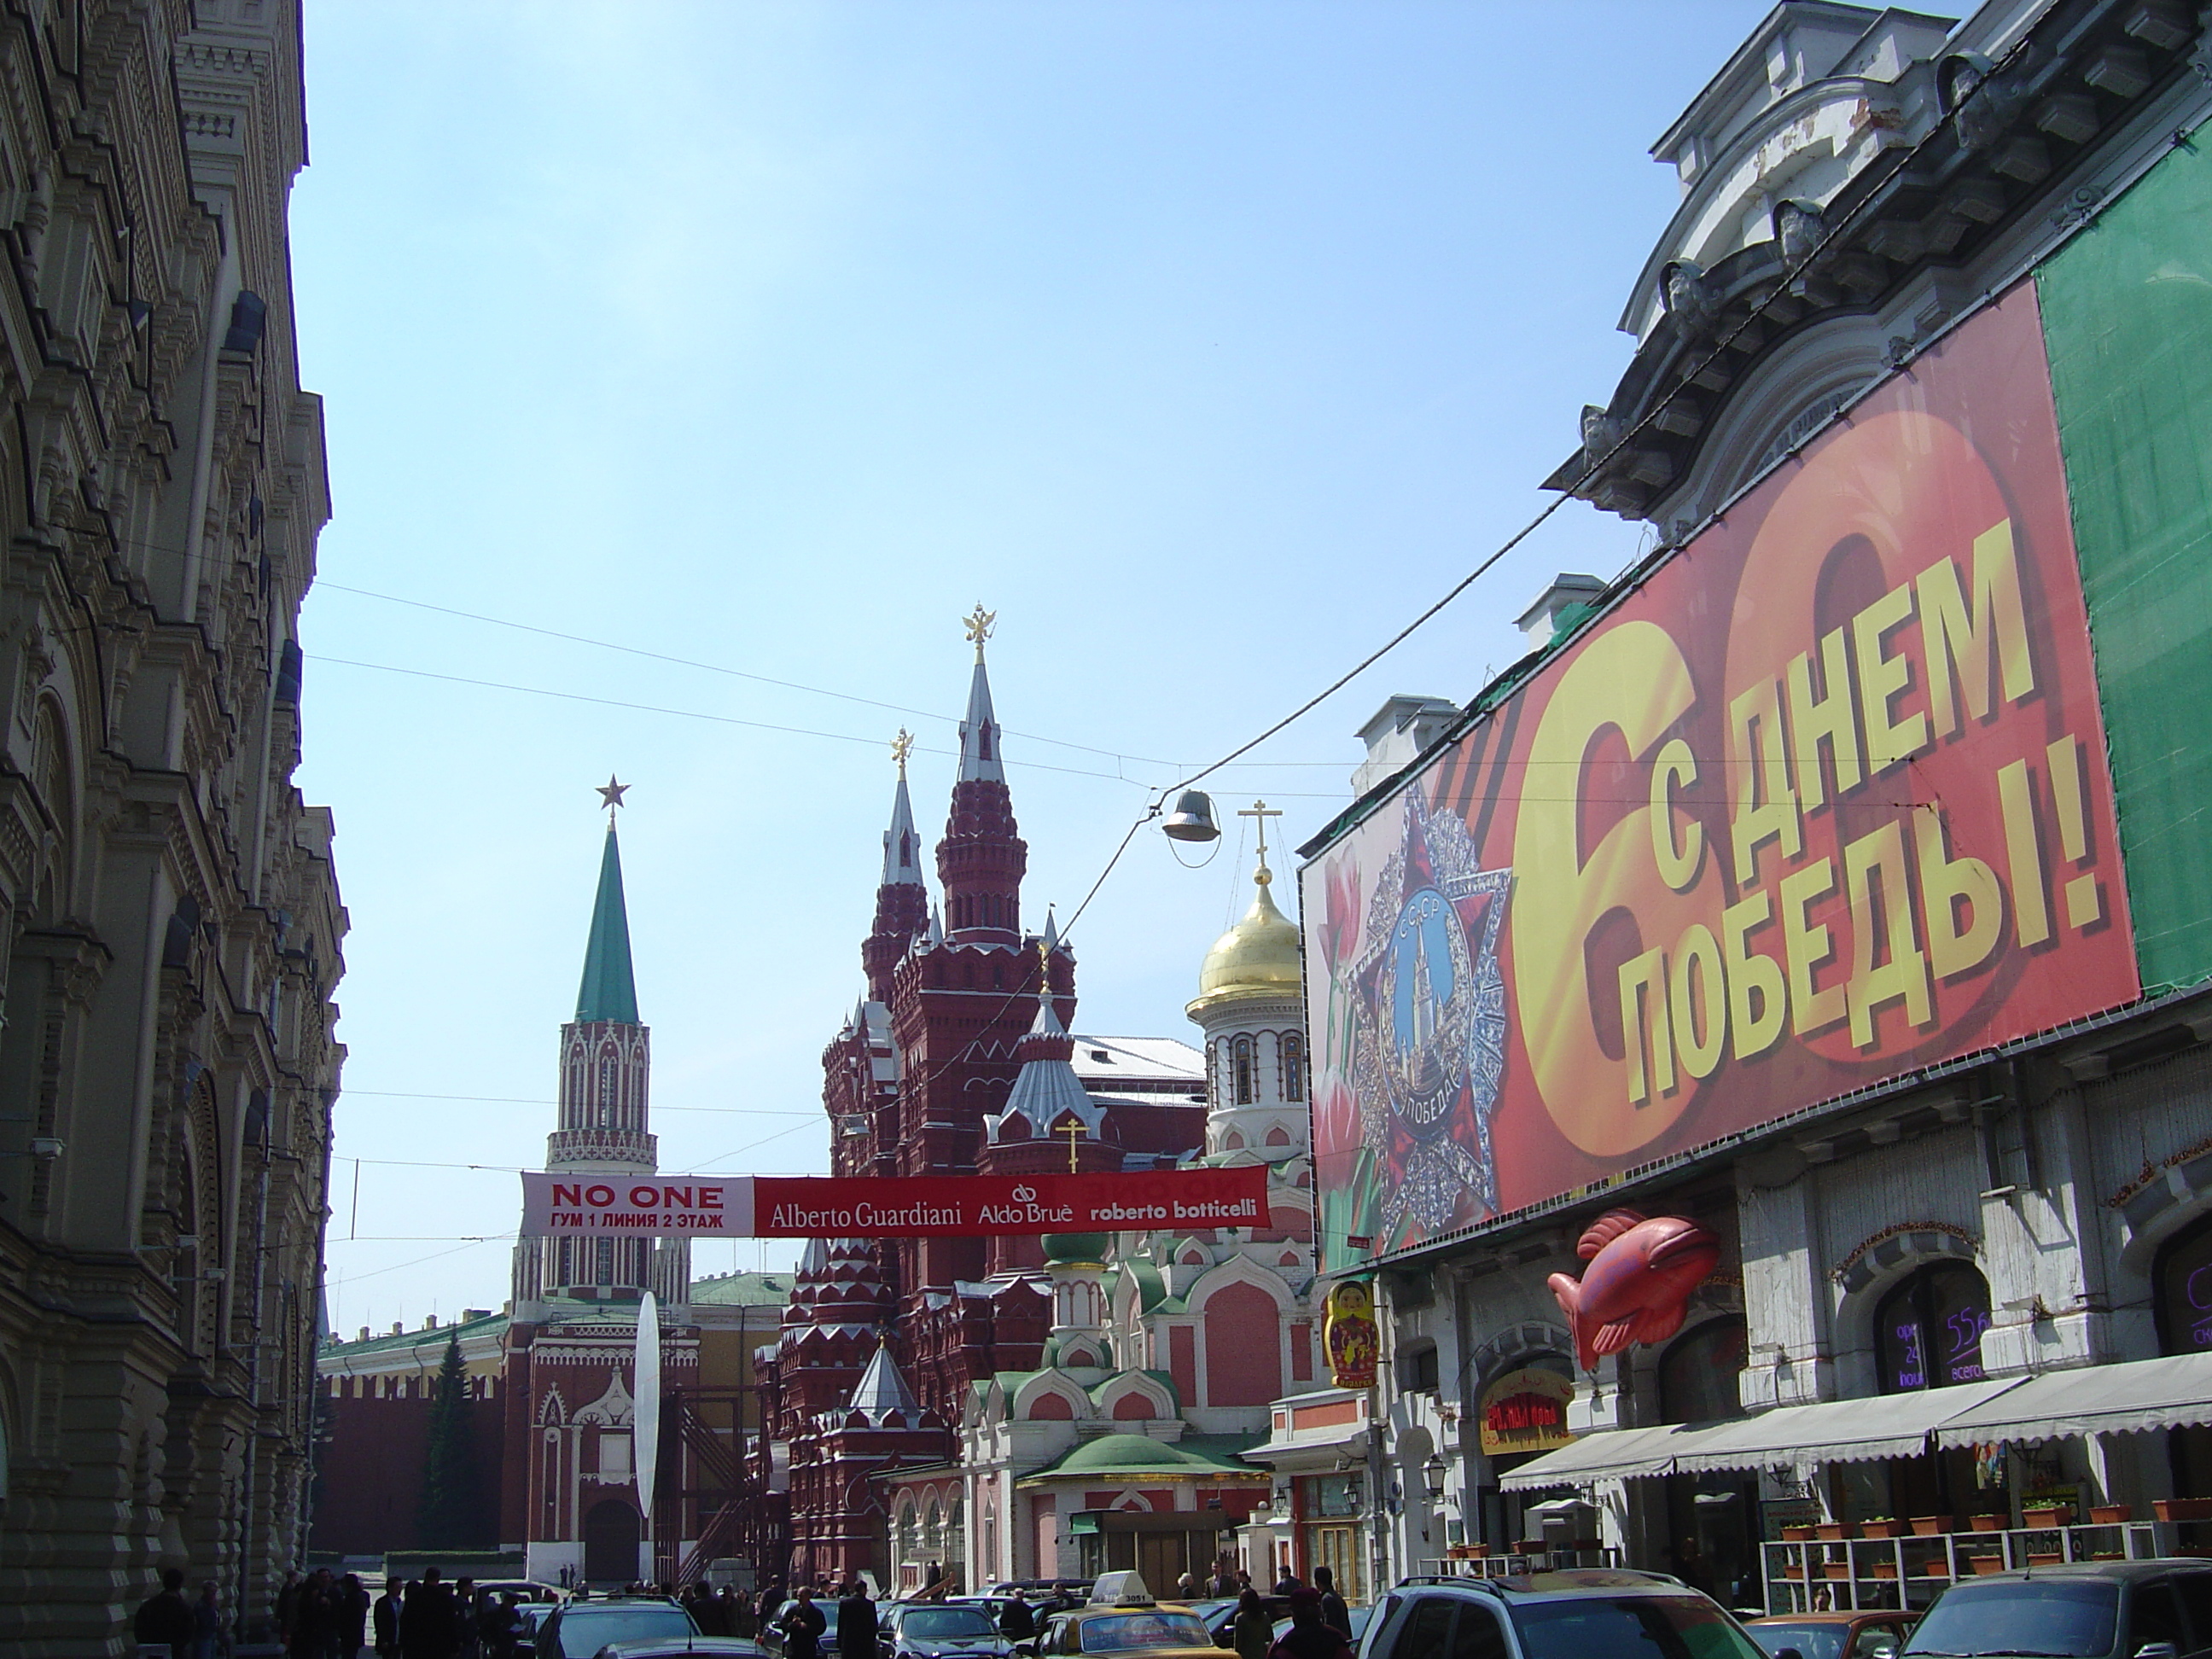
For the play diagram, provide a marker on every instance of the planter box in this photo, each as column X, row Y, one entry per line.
column 2109, row 1515
column 2183, row 1509
column 1839, row 1571
column 2050, row 1558
column 1881, row 1529
column 1987, row 1522
column 1931, row 1526
column 1885, row 1569
column 1938, row 1568
column 1796, row 1534
column 1989, row 1564
column 1793, row 1572
column 2047, row 1514
column 1832, row 1532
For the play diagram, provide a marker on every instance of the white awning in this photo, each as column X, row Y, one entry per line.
column 2117, row 1398
column 1607, row 1454
column 1833, row 1430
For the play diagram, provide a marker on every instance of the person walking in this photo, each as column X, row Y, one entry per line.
column 1286, row 1584
column 1308, row 1637
column 802, row 1624
column 164, row 1620
column 207, row 1622
column 1018, row 1622
column 1333, row 1613
column 352, row 1607
column 430, row 1625
column 1252, row 1632
column 856, row 1622
column 385, row 1619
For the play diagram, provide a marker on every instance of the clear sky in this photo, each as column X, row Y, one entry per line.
column 1206, row 342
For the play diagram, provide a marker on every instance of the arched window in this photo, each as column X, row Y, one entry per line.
column 2184, row 1281
column 1240, row 1071
column 956, row 1542
column 1293, row 1048
column 932, row 1533
column 1697, row 1375
column 909, row 1545
column 1927, row 1330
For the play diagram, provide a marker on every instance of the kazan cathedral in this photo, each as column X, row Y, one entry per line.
column 1022, row 1407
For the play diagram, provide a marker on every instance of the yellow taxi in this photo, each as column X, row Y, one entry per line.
column 1122, row 1617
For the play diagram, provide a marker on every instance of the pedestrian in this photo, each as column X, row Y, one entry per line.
column 1287, row 1583
column 500, row 1626
column 288, row 1605
column 856, row 1622
column 1333, row 1613
column 1308, row 1637
column 314, row 1617
column 353, row 1608
column 385, row 1619
column 1225, row 1581
column 1252, row 1632
column 771, row 1601
column 1243, row 1581
column 429, row 1626
column 465, row 1616
column 1018, row 1622
column 164, row 1620
column 207, row 1622
column 802, row 1624
column 738, row 1612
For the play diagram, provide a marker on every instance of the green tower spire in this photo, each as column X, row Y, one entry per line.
column 609, row 990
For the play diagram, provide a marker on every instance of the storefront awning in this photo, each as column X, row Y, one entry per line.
column 1607, row 1454
column 2120, row 1399
column 1833, row 1430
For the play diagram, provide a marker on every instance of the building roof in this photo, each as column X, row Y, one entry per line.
column 1118, row 1063
column 1139, row 1454
column 1257, row 957
column 431, row 1342
column 743, row 1289
column 609, row 989
column 882, row 1391
column 901, row 847
column 979, row 732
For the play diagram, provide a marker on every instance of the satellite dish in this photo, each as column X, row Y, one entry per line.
column 645, row 1409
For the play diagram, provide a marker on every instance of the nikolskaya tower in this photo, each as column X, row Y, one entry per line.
column 605, row 1121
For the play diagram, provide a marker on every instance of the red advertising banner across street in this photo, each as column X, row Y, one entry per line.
column 915, row 1206
column 1822, row 800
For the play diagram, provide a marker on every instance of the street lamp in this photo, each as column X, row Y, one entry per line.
column 1432, row 1476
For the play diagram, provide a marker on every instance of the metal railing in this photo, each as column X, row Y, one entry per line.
column 1835, row 1574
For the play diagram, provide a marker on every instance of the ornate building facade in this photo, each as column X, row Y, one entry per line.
column 934, row 1400
column 173, row 930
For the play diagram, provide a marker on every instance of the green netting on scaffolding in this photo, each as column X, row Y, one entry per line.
column 2127, row 315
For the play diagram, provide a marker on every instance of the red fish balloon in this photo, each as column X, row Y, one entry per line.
column 1637, row 1285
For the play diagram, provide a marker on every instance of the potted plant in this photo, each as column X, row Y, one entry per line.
column 1797, row 1534
column 1837, row 1570
column 1988, row 1564
column 2046, row 1514
column 1938, row 1568
column 1988, row 1522
column 2183, row 1509
column 2109, row 1515
column 1880, row 1526
column 1832, row 1532
column 1885, row 1569
column 1931, row 1526
column 1793, row 1572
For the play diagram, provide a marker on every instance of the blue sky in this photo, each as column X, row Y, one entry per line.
column 1207, row 343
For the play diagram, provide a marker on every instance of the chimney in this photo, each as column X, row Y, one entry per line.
column 1398, row 732
column 1543, row 621
column 468, row 1314
column 400, row 1327
column 429, row 1321
column 364, row 1333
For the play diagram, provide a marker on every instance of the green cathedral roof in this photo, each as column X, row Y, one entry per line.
column 609, row 990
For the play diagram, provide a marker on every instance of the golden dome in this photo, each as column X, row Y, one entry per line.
column 1259, row 957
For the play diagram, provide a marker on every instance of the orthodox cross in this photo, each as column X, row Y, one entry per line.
column 1074, row 1132
column 902, row 746
column 1261, row 811
column 978, row 624
column 611, row 795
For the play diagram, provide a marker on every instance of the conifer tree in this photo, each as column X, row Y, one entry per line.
column 446, row 1515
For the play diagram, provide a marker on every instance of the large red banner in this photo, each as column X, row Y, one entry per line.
column 1825, row 800
column 901, row 1206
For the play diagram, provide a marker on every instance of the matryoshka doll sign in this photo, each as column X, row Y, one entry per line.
column 1350, row 1333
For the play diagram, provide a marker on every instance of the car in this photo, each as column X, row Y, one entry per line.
column 1865, row 1634
column 578, row 1630
column 2149, row 1609
column 1122, row 1618
column 1582, row 1612
column 685, row 1647
column 533, row 1616
column 525, row 1589
column 926, row 1629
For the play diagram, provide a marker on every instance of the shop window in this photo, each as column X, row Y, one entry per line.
column 1928, row 1331
column 2184, row 1277
column 1697, row 1375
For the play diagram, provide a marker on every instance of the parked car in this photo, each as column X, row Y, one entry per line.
column 927, row 1630
column 533, row 1616
column 684, row 1647
column 2156, row 1609
column 1866, row 1634
column 578, row 1630
column 1590, row 1613
column 1122, row 1617
column 525, row 1589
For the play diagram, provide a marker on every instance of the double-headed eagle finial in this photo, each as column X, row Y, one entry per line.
column 978, row 623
